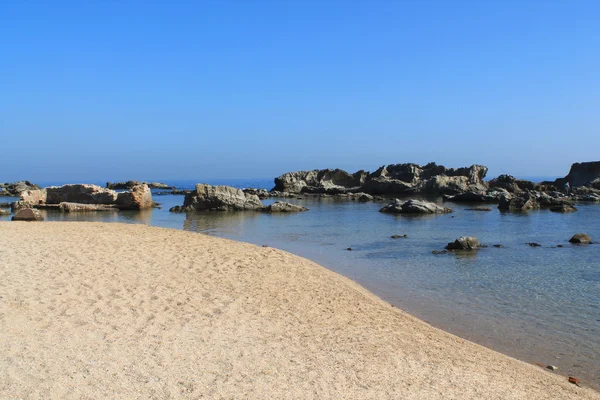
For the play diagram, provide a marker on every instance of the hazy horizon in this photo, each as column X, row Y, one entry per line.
column 106, row 90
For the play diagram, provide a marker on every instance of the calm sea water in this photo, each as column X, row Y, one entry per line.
column 537, row 304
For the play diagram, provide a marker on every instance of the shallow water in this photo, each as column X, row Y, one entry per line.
column 537, row 304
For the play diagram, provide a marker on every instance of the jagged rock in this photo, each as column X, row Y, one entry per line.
column 511, row 184
column 122, row 185
column 218, row 198
column 391, row 179
column 582, row 174
column 138, row 198
column 16, row 188
column 282, row 206
column 159, row 185
column 580, row 238
column 464, row 243
column 414, row 207
column 261, row 193
column 77, row 207
column 28, row 214
column 563, row 208
column 553, row 199
column 522, row 202
column 330, row 181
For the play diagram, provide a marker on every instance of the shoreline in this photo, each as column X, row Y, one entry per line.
column 241, row 321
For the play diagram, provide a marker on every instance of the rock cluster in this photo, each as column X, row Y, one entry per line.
column 15, row 189
column 390, row 179
column 131, row 184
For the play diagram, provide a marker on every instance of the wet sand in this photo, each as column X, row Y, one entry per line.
column 97, row 310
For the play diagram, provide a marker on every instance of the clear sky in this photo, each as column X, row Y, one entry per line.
column 110, row 90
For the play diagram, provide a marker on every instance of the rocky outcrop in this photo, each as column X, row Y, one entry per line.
column 77, row 207
column 511, row 184
column 522, row 202
column 218, row 198
column 390, row 179
column 15, row 189
column 28, row 214
column 464, row 243
column 138, row 198
column 581, row 238
column 131, row 184
column 414, row 207
column 261, row 193
column 582, row 174
column 331, row 181
column 283, row 207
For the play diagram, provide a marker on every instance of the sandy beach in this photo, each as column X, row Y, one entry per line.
column 123, row 311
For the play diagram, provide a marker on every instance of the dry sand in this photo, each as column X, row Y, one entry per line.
column 115, row 311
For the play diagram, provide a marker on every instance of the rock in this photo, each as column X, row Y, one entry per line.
column 16, row 188
column 464, row 243
column 511, row 184
column 4, row 205
column 122, row 185
column 28, row 214
column 476, row 197
column 218, row 198
column 587, row 197
column 522, row 202
column 414, row 207
column 76, row 207
column 4, row 213
column 479, row 208
column 582, row 174
column 552, row 367
column 399, row 236
column 261, row 193
column 349, row 249
column 332, row 181
column 574, row 380
column 281, row 206
column 533, row 244
column 553, row 199
column 159, row 185
column 581, row 238
column 138, row 198
column 499, row 246
column 362, row 197
column 563, row 208
column 559, row 245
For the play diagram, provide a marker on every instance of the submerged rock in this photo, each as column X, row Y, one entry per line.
column 414, row 207
column 464, row 243
column 77, row 207
column 284, row 207
column 580, row 238
column 28, row 214
column 563, row 208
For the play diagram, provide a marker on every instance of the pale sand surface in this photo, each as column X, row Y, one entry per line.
column 115, row 311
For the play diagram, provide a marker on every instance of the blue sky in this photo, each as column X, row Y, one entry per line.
column 109, row 90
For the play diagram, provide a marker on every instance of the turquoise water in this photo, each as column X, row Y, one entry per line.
column 537, row 304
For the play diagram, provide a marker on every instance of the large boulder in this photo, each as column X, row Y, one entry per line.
column 464, row 243
column 218, row 198
column 582, row 174
column 522, row 202
column 414, row 207
column 28, row 214
column 581, row 238
column 284, row 207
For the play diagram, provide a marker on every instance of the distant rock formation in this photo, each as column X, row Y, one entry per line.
column 218, row 198
column 582, row 174
column 511, row 184
column 414, row 207
column 138, row 198
column 131, row 184
column 390, row 179
column 15, row 189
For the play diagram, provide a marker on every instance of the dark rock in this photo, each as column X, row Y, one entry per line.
column 533, row 244
column 559, row 245
column 580, row 238
column 399, row 236
column 511, row 184
column 281, row 206
column 4, row 205
column 349, row 249
column 521, row 202
column 28, row 214
column 464, row 243
column 563, row 208
column 499, row 246
column 122, row 185
column 582, row 174
column 414, row 207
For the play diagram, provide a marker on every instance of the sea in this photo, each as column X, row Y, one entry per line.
column 537, row 304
